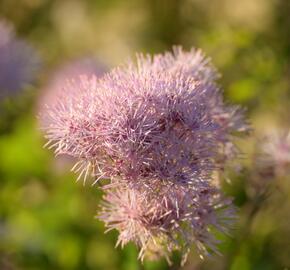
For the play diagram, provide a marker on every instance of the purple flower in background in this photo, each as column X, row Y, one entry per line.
column 275, row 158
column 18, row 62
column 158, row 129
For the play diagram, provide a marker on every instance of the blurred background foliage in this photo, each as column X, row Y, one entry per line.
column 46, row 219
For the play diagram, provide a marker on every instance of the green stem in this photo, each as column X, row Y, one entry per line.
column 244, row 234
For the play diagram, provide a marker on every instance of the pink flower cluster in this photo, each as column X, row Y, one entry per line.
column 157, row 129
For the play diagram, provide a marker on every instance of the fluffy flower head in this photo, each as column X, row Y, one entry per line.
column 157, row 128
column 161, row 118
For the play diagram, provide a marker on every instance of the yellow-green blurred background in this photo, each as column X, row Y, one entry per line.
column 46, row 218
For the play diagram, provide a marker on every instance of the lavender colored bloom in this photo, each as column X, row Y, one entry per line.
column 158, row 129
column 18, row 62
column 172, row 218
column 160, row 119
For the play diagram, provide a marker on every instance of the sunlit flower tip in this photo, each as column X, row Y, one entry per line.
column 193, row 64
column 161, row 118
column 18, row 62
column 174, row 220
